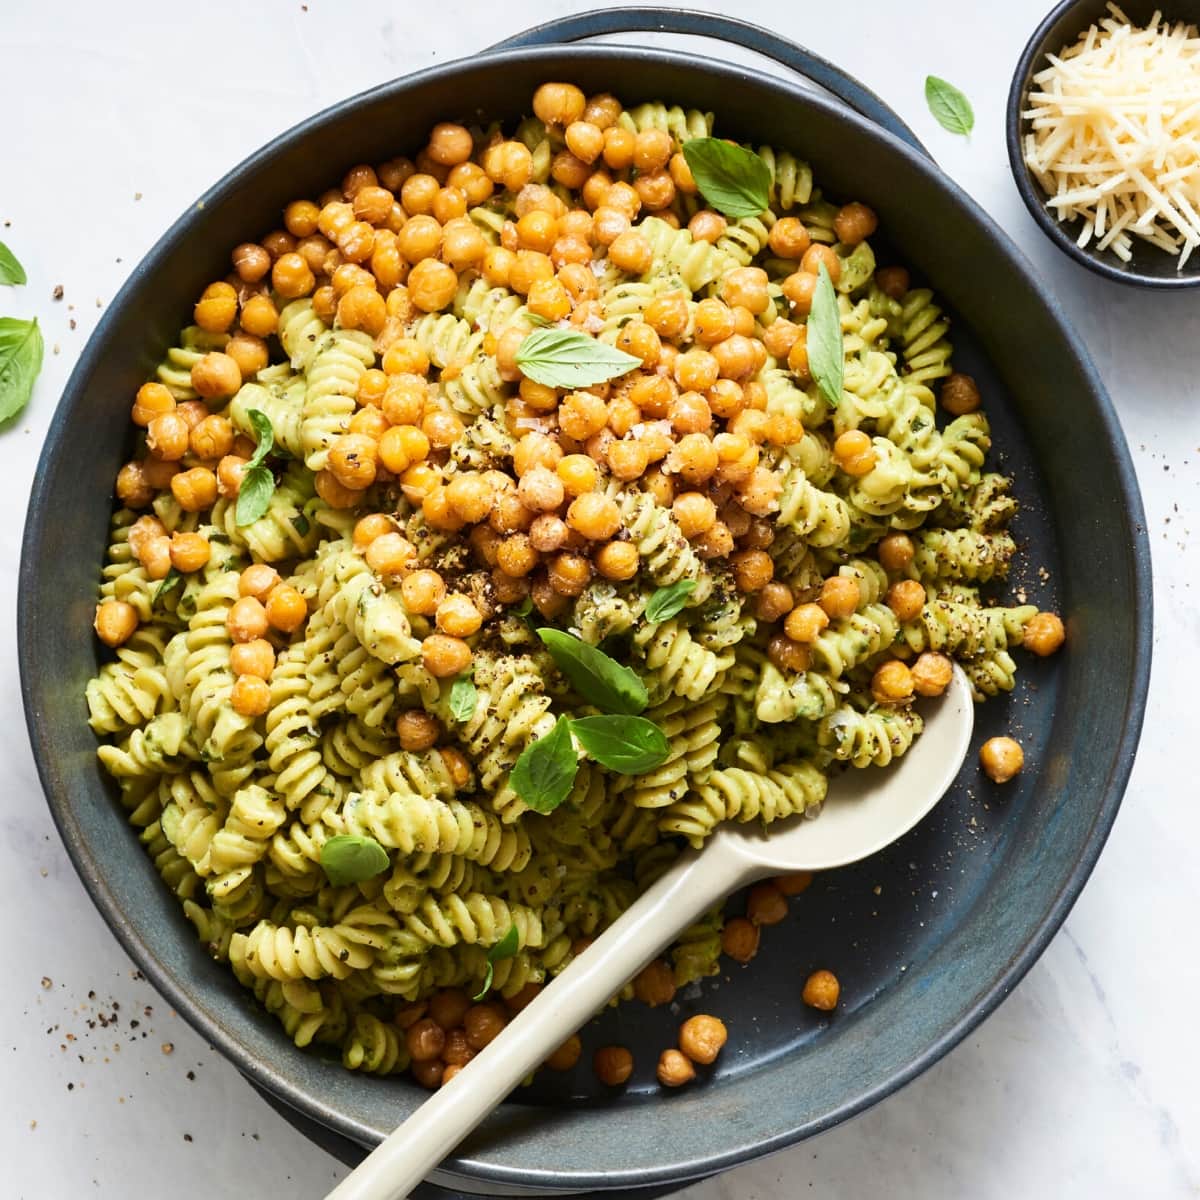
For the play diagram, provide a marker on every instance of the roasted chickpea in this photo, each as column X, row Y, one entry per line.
column 247, row 620
column 509, row 515
column 558, row 103
column 789, row 238
column 805, row 623
column 567, row 1055
column 613, row 1065
column 716, row 542
column 691, row 413
column 115, row 622
column 739, row 939
column 766, row 904
column 627, row 459
column 774, row 601
column 631, row 252
column 189, row 551
column 417, row 730
column 483, row 1023
column 895, row 551
column 155, row 474
column 425, row 1040
column 707, row 226
column 892, row 281
column 432, row 285
column 906, row 599
column 702, row 1037
column 471, row 496
column 752, row 569
column 152, row 400
column 167, row 437
column 931, row 674
column 584, row 140
column 217, row 307
column 458, row 616
column 960, row 394
column 619, row 145
column 252, row 658
column 441, row 429
column 892, row 683
column 816, row 256
column 854, row 223
column 195, row 490
column 746, row 287
column 1044, row 634
column 509, row 164
column 444, row 657
column 821, row 990
column 423, row 591
column 840, row 596
column 257, row 580
column 216, row 376
column 655, row 984
column 617, row 560
column 251, row 261
column 249, row 352
column 287, row 609
column 1001, row 758
column 448, row 1008
column 251, row 696
column 390, row 554
column 569, row 573
column 674, row 1069
column 132, row 487
column 595, row 516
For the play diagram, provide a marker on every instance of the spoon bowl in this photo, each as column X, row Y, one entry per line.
column 864, row 811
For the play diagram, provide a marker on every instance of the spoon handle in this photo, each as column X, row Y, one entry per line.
column 406, row 1156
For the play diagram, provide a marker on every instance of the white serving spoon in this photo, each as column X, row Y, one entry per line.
column 864, row 812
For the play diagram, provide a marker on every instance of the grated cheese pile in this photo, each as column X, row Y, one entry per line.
column 1116, row 135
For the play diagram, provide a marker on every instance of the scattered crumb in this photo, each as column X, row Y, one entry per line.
column 47, row 982
column 187, row 1137
column 32, row 1124
column 168, row 1047
column 137, row 195
column 58, row 291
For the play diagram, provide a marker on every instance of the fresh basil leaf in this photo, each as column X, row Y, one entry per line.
column 525, row 608
column 21, row 350
column 731, row 178
column 597, row 678
column 170, row 582
column 668, row 601
column 463, row 698
column 627, row 745
column 546, row 770
column 300, row 525
column 254, row 496
column 565, row 358
column 261, row 424
column 352, row 858
column 951, row 109
column 826, row 354
column 506, row 947
column 11, row 271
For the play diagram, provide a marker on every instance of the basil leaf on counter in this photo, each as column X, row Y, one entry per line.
column 734, row 180
column 258, row 484
column 546, row 770
column 950, row 108
column 506, row 947
column 463, row 698
column 826, row 354
column 565, row 358
column 627, row 745
column 11, row 271
column 599, row 679
column 352, row 858
column 668, row 601
column 21, row 350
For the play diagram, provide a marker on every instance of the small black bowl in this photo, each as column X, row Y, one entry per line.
column 1151, row 267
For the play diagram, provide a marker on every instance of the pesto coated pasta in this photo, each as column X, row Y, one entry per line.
column 359, row 499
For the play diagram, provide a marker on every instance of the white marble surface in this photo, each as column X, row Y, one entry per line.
column 1082, row 1085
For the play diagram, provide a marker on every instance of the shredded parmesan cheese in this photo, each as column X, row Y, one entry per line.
column 1115, row 135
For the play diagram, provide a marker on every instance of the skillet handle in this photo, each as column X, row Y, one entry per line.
column 820, row 71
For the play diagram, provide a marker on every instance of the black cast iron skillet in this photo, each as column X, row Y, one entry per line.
column 927, row 937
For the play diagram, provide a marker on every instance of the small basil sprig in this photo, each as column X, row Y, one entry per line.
column 545, row 772
column 352, row 858
column 734, row 180
column 565, row 358
column 597, row 678
column 463, row 698
column 11, row 271
column 826, row 354
column 668, row 601
column 258, row 484
column 951, row 109
column 21, row 351
column 627, row 745
column 170, row 582
column 506, row 947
